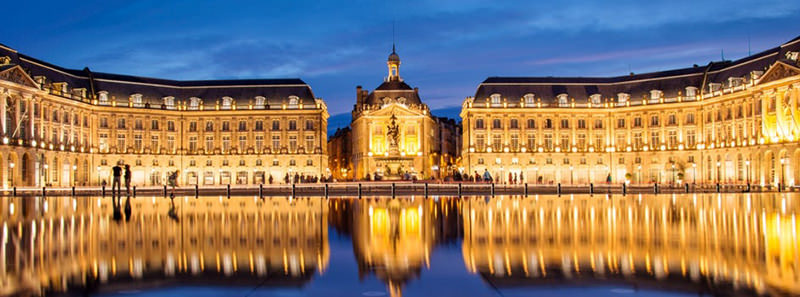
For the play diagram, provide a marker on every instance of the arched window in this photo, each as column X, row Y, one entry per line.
column 293, row 101
column 102, row 97
column 194, row 103
column 137, row 100
column 691, row 93
column 529, row 99
column 169, row 102
column 495, row 99
column 596, row 99
column 563, row 101
column 227, row 102
column 655, row 95
column 260, row 101
column 622, row 98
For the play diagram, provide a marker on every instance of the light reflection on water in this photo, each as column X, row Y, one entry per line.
column 684, row 244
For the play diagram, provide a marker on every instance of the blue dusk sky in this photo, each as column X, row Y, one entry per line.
column 447, row 47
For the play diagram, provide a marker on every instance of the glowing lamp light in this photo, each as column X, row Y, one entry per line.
column 541, row 149
column 645, row 148
column 369, row 154
column 43, row 144
column 558, row 149
column 51, row 146
column 591, row 149
column 72, row 148
column 386, row 154
column 505, row 149
column 489, row 149
column 663, row 147
column 680, row 147
column 403, row 154
column 524, row 149
column 419, row 153
column 5, row 140
column 33, row 143
column 761, row 140
column 574, row 149
column 61, row 147
column 472, row 150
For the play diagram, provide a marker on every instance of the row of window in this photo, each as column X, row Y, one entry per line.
column 583, row 161
column 210, row 143
column 209, row 163
column 258, row 125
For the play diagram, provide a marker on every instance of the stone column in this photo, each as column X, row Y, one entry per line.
column 3, row 101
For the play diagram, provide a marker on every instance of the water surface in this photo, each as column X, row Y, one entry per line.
column 636, row 245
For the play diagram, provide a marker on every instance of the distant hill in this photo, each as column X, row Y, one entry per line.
column 343, row 119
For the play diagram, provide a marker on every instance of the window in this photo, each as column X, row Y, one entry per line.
column 209, row 143
column 581, row 124
column 121, row 124
column 620, row 123
column 226, row 126
column 480, row 142
column 497, row 142
column 563, row 101
column 121, row 142
column 275, row 162
column 596, row 99
column 495, row 98
column 193, row 143
column 227, row 102
column 637, row 122
column 531, row 124
column 599, row 144
column 655, row 138
column 581, row 143
column 671, row 120
column 154, row 142
column 497, row 124
column 242, row 142
column 242, row 126
column 514, row 124
column 672, row 139
column 309, row 143
column 479, row 124
column 103, row 139
column 515, row 142
column 259, row 126
column 548, row 124
column 309, row 162
column 137, row 142
column 621, row 142
column 276, row 125
column 548, row 142
column 226, row 144
column 690, row 118
column 564, row 124
column 531, row 141
column 598, row 124
column 653, row 121
column 691, row 139
column 529, row 98
column 293, row 143
column 194, row 103
column 309, row 125
column 292, row 125
column 137, row 124
column 192, row 126
column 276, row 142
column 564, row 143
column 171, row 143
column 170, row 125
column 103, row 122
column 480, row 161
column 259, row 143
column 209, row 126
column 259, row 162
column 292, row 162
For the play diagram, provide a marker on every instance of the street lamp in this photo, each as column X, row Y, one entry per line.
column 694, row 173
column 783, row 173
column 747, row 164
column 640, row 173
column 98, row 175
column 11, row 165
column 74, row 174
column 718, row 171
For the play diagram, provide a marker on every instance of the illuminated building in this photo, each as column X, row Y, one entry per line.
column 683, row 242
column 49, row 244
column 726, row 122
column 393, row 132
column 70, row 127
column 339, row 154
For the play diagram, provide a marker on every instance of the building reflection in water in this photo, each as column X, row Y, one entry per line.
column 59, row 243
column 394, row 238
column 684, row 242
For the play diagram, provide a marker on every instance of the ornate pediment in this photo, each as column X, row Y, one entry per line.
column 15, row 74
column 779, row 70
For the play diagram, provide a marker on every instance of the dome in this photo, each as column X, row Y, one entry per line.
column 393, row 57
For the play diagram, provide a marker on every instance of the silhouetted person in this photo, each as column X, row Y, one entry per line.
column 115, row 184
column 128, row 209
column 173, row 212
column 117, row 211
column 128, row 179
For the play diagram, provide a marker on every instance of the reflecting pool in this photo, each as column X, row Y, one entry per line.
column 573, row 245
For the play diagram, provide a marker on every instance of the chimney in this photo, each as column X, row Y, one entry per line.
column 416, row 89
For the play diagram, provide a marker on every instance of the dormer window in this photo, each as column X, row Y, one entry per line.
column 563, row 101
column 691, row 92
column 293, row 101
column 756, row 74
column 260, row 101
column 794, row 56
column 529, row 99
column 714, row 87
column 137, row 100
column 169, row 102
column 596, row 99
column 194, row 103
column 655, row 95
column 623, row 98
column 102, row 97
column 227, row 102
column 401, row 100
column 735, row 82
column 495, row 99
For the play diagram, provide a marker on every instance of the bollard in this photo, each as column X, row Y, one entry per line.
column 359, row 190
column 15, row 191
column 196, row 191
column 686, row 186
column 655, row 188
column 44, row 192
column 104, row 191
column 392, row 190
column 165, row 191
column 624, row 189
column 426, row 190
column 558, row 190
column 779, row 189
column 459, row 190
column 134, row 191
column 260, row 191
column 294, row 190
column 492, row 189
column 526, row 190
column 326, row 191
column 591, row 188
column 73, row 191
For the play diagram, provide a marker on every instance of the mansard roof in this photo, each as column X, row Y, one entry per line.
column 638, row 86
column 153, row 90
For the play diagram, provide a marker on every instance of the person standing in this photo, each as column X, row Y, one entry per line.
column 115, row 184
column 128, row 179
